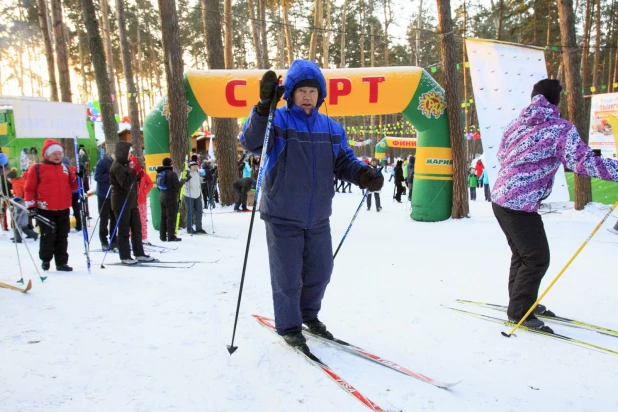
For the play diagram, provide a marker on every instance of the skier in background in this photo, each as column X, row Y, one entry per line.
column 49, row 187
column 305, row 149
column 104, row 196
column 376, row 194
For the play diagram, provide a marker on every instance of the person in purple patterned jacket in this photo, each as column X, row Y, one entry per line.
column 532, row 148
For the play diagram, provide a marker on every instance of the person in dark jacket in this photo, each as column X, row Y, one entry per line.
column 376, row 195
column 241, row 188
column 208, row 183
column 410, row 178
column 305, row 149
column 104, row 195
column 124, row 194
column 169, row 202
column 399, row 180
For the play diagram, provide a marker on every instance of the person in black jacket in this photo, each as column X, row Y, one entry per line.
column 108, row 220
column 242, row 187
column 169, row 202
column 399, row 180
column 124, row 194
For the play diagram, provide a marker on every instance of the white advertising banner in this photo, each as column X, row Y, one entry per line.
column 503, row 75
column 43, row 119
column 602, row 108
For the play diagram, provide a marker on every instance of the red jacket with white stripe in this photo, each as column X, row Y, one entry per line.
column 51, row 188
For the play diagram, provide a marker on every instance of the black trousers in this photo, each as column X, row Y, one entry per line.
column 400, row 189
column 526, row 237
column 54, row 244
column 108, row 219
column 377, row 196
column 167, row 226
column 77, row 208
column 487, row 193
column 26, row 231
column 473, row 193
column 130, row 224
column 240, row 198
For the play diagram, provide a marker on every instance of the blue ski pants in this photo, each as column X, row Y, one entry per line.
column 301, row 263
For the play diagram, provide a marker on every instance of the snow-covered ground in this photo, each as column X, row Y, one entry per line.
column 149, row 339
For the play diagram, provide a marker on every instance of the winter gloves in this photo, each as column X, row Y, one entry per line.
column 267, row 88
column 368, row 179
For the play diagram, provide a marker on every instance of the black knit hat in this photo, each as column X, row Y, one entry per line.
column 167, row 161
column 308, row 83
column 550, row 88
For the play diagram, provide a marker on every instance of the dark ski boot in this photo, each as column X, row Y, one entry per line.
column 533, row 323
column 318, row 328
column 64, row 268
column 45, row 266
column 296, row 340
column 542, row 310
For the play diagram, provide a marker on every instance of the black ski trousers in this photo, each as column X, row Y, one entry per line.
column 130, row 224
column 77, row 209
column 54, row 244
column 377, row 196
column 167, row 226
column 526, row 237
column 108, row 220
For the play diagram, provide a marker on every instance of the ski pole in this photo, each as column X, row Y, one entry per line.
column 353, row 219
column 100, row 210
column 21, row 233
column 611, row 209
column 111, row 239
column 271, row 115
column 82, row 209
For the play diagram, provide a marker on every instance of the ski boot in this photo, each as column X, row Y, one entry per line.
column 542, row 310
column 318, row 328
column 64, row 268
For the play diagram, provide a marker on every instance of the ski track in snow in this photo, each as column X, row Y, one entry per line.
column 144, row 339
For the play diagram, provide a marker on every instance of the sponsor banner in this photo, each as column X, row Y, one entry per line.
column 603, row 115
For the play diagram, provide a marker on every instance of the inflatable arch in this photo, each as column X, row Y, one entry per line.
column 351, row 92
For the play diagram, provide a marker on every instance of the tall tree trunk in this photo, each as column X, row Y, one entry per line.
column 586, row 45
column 372, row 118
column 362, row 33
column 317, row 18
column 418, row 33
column 597, row 47
column 136, row 135
column 583, row 193
column 227, row 34
column 153, row 59
column 109, row 52
column 110, row 127
column 326, row 35
column 82, row 64
column 460, row 166
column 49, row 50
column 263, row 34
column 288, row 32
column 500, row 18
column 255, row 35
column 387, row 22
column 176, row 94
column 63, row 69
column 140, row 75
column 225, row 140
column 342, row 47
column 534, row 22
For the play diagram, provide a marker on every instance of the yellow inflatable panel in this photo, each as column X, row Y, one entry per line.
column 350, row 92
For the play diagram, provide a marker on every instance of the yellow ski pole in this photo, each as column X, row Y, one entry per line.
column 508, row 335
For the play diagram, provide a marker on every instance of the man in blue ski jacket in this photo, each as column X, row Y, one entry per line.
column 305, row 148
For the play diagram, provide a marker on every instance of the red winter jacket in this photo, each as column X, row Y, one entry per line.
column 144, row 182
column 479, row 168
column 53, row 187
column 18, row 186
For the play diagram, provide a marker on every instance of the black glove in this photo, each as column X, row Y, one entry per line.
column 368, row 179
column 267, row 88
column 32, row 212
column 80, row 174
column 188, row 176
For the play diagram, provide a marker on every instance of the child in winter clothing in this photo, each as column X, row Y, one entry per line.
column 124, row 205
column 169, row 201
column 378, row 169
column 193, row 199
column 144, row 184
column 473, row 183
column 21, row 222
column 49, row 187
column 17, row 183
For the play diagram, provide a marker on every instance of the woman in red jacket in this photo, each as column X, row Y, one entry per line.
column 479, row 171
column 49, row 188
column 144, row 184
